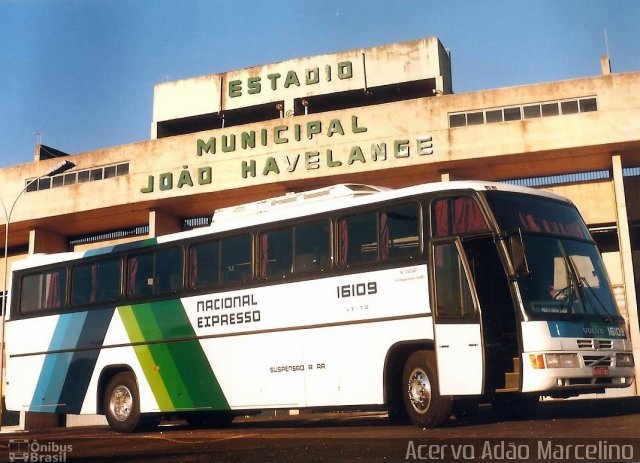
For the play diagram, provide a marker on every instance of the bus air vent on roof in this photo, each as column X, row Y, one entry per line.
column 295, row 199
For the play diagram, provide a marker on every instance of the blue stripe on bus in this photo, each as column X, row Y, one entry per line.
column 65, row 377
column 586, row 330
column 55, row 366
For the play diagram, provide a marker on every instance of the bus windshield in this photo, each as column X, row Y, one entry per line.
column 566, row 277
column 566, row 280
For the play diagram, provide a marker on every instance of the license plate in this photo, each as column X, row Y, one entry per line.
column 600, row 371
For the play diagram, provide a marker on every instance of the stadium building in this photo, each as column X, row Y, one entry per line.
column 385, row 116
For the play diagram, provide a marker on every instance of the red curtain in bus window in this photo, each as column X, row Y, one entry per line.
column 343, row 241
column 264, row 254
column 441, row 213
column 528, row 222
column 384, row 235
column 574, row 229
column 193, row 259
column 132, row 264
column 467, row 216
column 52, row 290
column 94, row 283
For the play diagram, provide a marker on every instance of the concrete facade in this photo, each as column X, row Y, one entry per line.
column 385, row 116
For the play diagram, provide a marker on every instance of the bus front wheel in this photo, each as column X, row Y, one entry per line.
column 422, row 399
column 122, row 403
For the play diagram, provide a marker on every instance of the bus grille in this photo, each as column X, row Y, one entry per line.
column 593, row 360
column 595, row 344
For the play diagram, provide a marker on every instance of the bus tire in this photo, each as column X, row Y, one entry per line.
column 424, row 404
column 122, row 403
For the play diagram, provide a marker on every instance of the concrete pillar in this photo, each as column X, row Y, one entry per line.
column 605, row 65
column 161, row 223
column 44, row 241
column 624, row 239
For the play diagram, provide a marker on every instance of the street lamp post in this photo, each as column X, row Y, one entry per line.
column 58, row 169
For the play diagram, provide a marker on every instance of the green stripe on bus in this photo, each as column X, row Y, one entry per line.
column 152, row 374
column 146, row 359
column 179, row 373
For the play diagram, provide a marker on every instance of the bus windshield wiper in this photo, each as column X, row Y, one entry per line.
column 594, row 300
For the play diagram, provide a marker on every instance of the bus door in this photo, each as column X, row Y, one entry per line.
column 498, row 315
column 458, row 333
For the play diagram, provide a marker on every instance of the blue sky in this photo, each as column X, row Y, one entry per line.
column 81, row 72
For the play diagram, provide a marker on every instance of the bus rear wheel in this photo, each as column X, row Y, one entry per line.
column 122, row 404
column 424, row 404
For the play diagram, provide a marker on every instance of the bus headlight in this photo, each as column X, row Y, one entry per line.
column 562, row 360
column 624, row 359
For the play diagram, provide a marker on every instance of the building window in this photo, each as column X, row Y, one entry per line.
column 81, row 176
column 532, row 111
column 476, row 118
column 512, row 114
column 457, row 120
column 494, row 115
column 550, row 109
column 528, row 111
column 588, row 105
column 569, row 107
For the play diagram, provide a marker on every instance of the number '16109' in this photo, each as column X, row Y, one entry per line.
column 357, row 289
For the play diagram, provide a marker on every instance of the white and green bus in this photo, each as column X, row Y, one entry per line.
column 421, row 301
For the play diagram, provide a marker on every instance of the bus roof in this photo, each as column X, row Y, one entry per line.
column 343, row 196
column 291, row 205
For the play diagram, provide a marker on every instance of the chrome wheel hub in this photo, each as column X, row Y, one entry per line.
column 121, row 403
column 419, row 389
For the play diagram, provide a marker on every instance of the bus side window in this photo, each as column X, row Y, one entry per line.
column 109, row 274
column 43, row 291
column 453, row 293
column 95, row 282
column 312, row 247
column 168, row 274
column 155, row 273
column 399, row 231
column 276, row 248
column 140, row 275
column 205, row 264
column 358, row 239
column 235, row 259
column 456, row 216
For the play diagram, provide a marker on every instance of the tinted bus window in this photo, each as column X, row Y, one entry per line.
column 453, row 294
column 299, row 249
column 43, row 291
column 536, row 215
column 96, row 282
column 155, row 273
column 205, row 264
column 399, row 232
column 312, row 247
column 235, row 259
column 457, row 216
column 358, row 239
column 276, row 253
